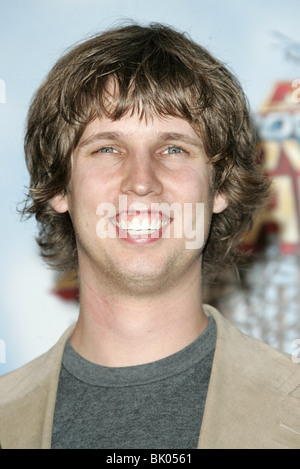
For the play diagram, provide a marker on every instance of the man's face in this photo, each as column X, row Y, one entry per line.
column 136, row 198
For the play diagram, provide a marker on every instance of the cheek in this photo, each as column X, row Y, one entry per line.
column 90, row 204
column 82, row 203
column 86, row 188
column 195, row 187
column 196, row 190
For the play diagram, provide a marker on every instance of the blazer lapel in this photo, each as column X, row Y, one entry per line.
column 55, row 362
column 29, row 396
column 243, row 400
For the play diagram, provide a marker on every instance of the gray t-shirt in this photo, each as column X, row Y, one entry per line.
column 158, row 405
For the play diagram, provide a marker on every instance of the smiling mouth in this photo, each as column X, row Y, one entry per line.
column 143, row 224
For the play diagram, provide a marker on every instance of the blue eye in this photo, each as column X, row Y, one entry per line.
column 106, row 150
column 174, row 149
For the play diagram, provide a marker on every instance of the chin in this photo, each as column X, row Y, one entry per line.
column 139, row 279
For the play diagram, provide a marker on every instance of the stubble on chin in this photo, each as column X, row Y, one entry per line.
column 143, row 282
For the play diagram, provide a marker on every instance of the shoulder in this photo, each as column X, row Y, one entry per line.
column 27, row 400
column 33, row 375
column 261, row 388
column 247, row 361
column 253, row 355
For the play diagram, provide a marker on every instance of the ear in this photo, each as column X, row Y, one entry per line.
column 59, row 203
column 220, row 203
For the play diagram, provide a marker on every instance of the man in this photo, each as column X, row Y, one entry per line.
column 144, row 175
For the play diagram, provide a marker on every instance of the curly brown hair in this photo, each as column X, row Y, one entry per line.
column 157, row 70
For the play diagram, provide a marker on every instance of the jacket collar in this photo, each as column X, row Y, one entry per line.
column 249, row 381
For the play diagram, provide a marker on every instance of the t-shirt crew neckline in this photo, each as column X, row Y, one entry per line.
column 164, row 368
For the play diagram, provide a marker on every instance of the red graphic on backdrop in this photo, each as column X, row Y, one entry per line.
column 279, row 129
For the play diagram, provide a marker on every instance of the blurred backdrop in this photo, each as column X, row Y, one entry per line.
column 260, row 42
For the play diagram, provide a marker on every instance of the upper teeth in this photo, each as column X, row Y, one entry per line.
column 144, row 225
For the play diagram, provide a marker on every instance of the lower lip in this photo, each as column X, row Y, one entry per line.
column 141, row 239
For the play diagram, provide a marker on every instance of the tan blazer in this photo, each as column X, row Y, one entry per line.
column 253, row 398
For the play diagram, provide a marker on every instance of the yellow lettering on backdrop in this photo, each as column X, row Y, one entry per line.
column 285, row 211
column 291, row 149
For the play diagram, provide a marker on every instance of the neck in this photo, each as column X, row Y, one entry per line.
column 115, row 330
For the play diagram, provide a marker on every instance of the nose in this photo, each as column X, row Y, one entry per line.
column 140, row 176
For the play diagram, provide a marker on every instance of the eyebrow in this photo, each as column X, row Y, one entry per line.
column 100, row 136
column 175, row 137
column 163, row 136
